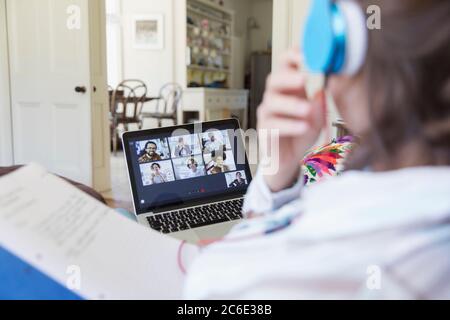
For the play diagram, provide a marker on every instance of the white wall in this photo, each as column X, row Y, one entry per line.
column 159, row 67
column 6, row 154
column 154, row 67
column 114, row 41
column 245, row 42
column 262, row 10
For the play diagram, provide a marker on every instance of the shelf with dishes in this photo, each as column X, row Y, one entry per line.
column 208, row 77
column 209, row 51
column 198, row 31
column 207, row 60
column 206, row 56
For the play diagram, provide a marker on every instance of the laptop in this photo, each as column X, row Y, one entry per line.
column 188, row 181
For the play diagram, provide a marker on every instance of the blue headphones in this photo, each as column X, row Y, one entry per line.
column 336, row 38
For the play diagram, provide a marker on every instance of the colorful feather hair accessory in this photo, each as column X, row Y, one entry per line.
column 326, row 161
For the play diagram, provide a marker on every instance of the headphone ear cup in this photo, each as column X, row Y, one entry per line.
column 318, row 41
column 336, row 37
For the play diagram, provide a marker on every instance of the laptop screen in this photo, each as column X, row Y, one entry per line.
column 183, row 165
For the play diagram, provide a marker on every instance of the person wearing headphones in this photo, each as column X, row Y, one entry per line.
column 217, row 164
column 381, row 230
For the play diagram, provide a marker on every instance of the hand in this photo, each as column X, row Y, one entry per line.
column 286, row 108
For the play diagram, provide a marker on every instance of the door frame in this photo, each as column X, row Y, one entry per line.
column 6, row 146
column 288, row 19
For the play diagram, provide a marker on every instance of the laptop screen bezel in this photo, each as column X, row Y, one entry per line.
column 229, row 124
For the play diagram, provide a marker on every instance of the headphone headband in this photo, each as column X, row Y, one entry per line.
column 357, row 37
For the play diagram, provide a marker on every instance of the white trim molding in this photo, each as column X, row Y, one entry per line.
column 6, row 149
column 288, row 20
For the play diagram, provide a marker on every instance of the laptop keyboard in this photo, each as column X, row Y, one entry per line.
column 197, row 217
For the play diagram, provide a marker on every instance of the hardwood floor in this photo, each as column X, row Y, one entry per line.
column 120, row 194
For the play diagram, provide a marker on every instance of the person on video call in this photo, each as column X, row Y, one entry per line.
column 194, row 171
column 157, row 176
column 238, row 182
column 381, row 229
column 217, row 164
column 182, row 150
column 212, row 144
column 150, row 153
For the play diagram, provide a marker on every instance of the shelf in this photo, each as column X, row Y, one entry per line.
column 204, row 68
column 191, row 27
column 209, row 16
column 218, row 52
column 205, row 36
column 214, row 6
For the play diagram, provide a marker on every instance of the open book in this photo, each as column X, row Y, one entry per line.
column 82, row 244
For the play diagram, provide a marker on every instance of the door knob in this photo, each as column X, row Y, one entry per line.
column 80, row 89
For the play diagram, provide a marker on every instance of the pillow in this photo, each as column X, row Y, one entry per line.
column 326, row 161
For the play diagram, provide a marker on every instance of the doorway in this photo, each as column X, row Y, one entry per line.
column 164, row 59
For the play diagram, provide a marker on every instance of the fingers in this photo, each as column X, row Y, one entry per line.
column 320, row 109
column 288, row 82
column 292, row 116
column 285, row 106
column 286, row 127
column 288, row 78
column 291, row 60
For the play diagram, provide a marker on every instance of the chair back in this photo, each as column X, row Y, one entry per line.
column 110, row 96
column 170, row 95
column 129, row 93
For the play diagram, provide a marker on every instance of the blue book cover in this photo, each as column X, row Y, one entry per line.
column 21, row 281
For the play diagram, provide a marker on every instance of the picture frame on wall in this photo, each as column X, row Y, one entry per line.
column 148, row 32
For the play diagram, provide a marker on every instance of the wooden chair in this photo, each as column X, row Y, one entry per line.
column 167, row 104
column 126, row 101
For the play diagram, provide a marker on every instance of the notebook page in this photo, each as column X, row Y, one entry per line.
column 81, row 243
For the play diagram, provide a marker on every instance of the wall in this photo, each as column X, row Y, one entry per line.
column 245, row 42
column 6, row 154
column 262, row 10
column 260, row 38
column 154, row 67
column 159, row 67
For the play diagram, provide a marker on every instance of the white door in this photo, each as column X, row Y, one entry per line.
column 50, row 86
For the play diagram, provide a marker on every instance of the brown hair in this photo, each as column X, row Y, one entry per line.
column 407, row 76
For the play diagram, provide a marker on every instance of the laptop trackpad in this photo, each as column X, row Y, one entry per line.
column 215, row 232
